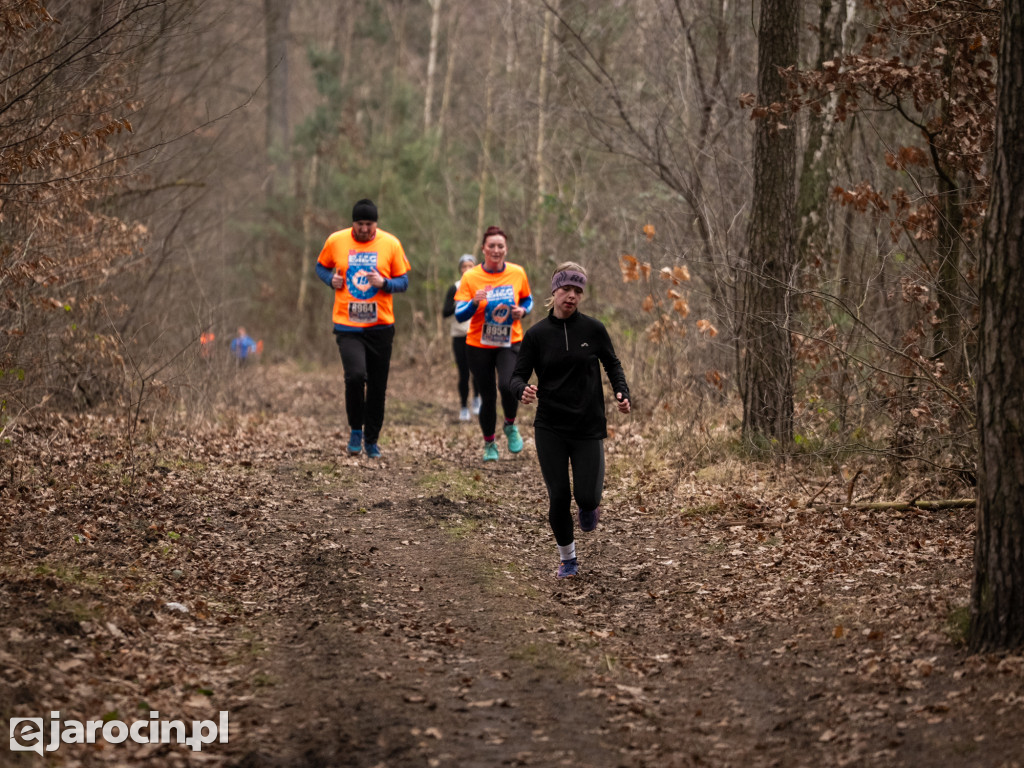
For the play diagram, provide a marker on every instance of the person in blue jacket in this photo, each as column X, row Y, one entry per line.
column 242, row 346
column 567, row 350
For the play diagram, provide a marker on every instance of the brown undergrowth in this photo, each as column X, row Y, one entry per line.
column 403, row 612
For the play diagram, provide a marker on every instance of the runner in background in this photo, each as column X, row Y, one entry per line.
column 566, row 350
column 494, row 296
column 242, row 346
column 206, row 340
column 365, row 266
column 459, row 331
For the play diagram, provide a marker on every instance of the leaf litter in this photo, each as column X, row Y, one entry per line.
column 404, row 612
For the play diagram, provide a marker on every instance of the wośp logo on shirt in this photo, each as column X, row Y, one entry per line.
column 360, row 266
column 498, row 319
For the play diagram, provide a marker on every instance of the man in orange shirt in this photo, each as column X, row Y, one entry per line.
column 365, row 266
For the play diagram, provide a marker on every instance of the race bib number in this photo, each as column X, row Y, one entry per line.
column 497, row 329
column 362, row 311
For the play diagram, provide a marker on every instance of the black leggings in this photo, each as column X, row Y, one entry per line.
column 459, row 350
column 366, row 358
column 555, row 454
column 483, row 362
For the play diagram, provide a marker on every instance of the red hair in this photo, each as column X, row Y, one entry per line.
column 491, row 231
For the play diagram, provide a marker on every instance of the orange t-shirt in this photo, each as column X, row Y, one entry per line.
column 359, row 304
column 492, row 324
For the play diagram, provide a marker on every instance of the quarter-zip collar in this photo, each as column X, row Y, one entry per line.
column 564, row 323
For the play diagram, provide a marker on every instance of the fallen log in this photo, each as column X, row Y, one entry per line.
column 902, row 506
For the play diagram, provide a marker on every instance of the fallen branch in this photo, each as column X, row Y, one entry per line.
column 810, row 501
column 900, row 506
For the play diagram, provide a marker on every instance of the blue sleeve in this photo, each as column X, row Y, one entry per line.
column 324, row 273
column 527, row 303
column 464, row 310
column 397, row 284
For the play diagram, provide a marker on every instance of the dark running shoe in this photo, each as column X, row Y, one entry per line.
column 567, row 569
column 588, row 520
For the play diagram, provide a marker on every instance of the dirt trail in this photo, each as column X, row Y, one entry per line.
column 425, row 627
column 403, row 612
column 421, row 638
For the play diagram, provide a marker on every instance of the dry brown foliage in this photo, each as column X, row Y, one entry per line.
column 403, row 612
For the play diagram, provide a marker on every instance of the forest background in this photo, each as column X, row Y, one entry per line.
column 171, row 169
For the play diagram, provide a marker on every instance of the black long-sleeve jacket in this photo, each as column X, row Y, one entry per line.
column 565, row 355
column 448, row 308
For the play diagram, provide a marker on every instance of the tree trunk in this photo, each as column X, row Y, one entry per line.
column 542, row 113
column 485, row 149
column 822, row 148
column 997, row 598
column 435, row 31
column 949, row 343
column 453, row 188
column 767, row 364
column 276, row 17
column 344, row 33
column 307, row 245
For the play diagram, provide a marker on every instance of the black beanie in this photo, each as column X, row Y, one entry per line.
column 364, row 210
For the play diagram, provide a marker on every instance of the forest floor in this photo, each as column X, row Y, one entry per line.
column 404, row 611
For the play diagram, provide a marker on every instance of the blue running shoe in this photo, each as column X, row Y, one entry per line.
column 490, row 451
column 567, row 569
column 372, row 451
column 355, row 441
column 515, row 442
column 588, row 520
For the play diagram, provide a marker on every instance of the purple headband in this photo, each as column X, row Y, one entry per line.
column 568, row 277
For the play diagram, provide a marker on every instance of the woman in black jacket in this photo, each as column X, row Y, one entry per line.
column 566, row 350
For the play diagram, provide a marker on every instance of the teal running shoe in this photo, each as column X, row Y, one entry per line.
column 515, row 442
column 355, row 442
column 490, row 451
column 372, row 451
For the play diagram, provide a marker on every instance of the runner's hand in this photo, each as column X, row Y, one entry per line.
column 623, row 402
column 529, row 394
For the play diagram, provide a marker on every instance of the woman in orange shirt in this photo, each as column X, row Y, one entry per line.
column 494, row 296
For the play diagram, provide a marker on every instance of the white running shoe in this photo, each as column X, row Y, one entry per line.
column 464, row 415
column 476, row 405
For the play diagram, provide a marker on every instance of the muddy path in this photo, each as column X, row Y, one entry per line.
column 404, row 612
column 712, row 624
